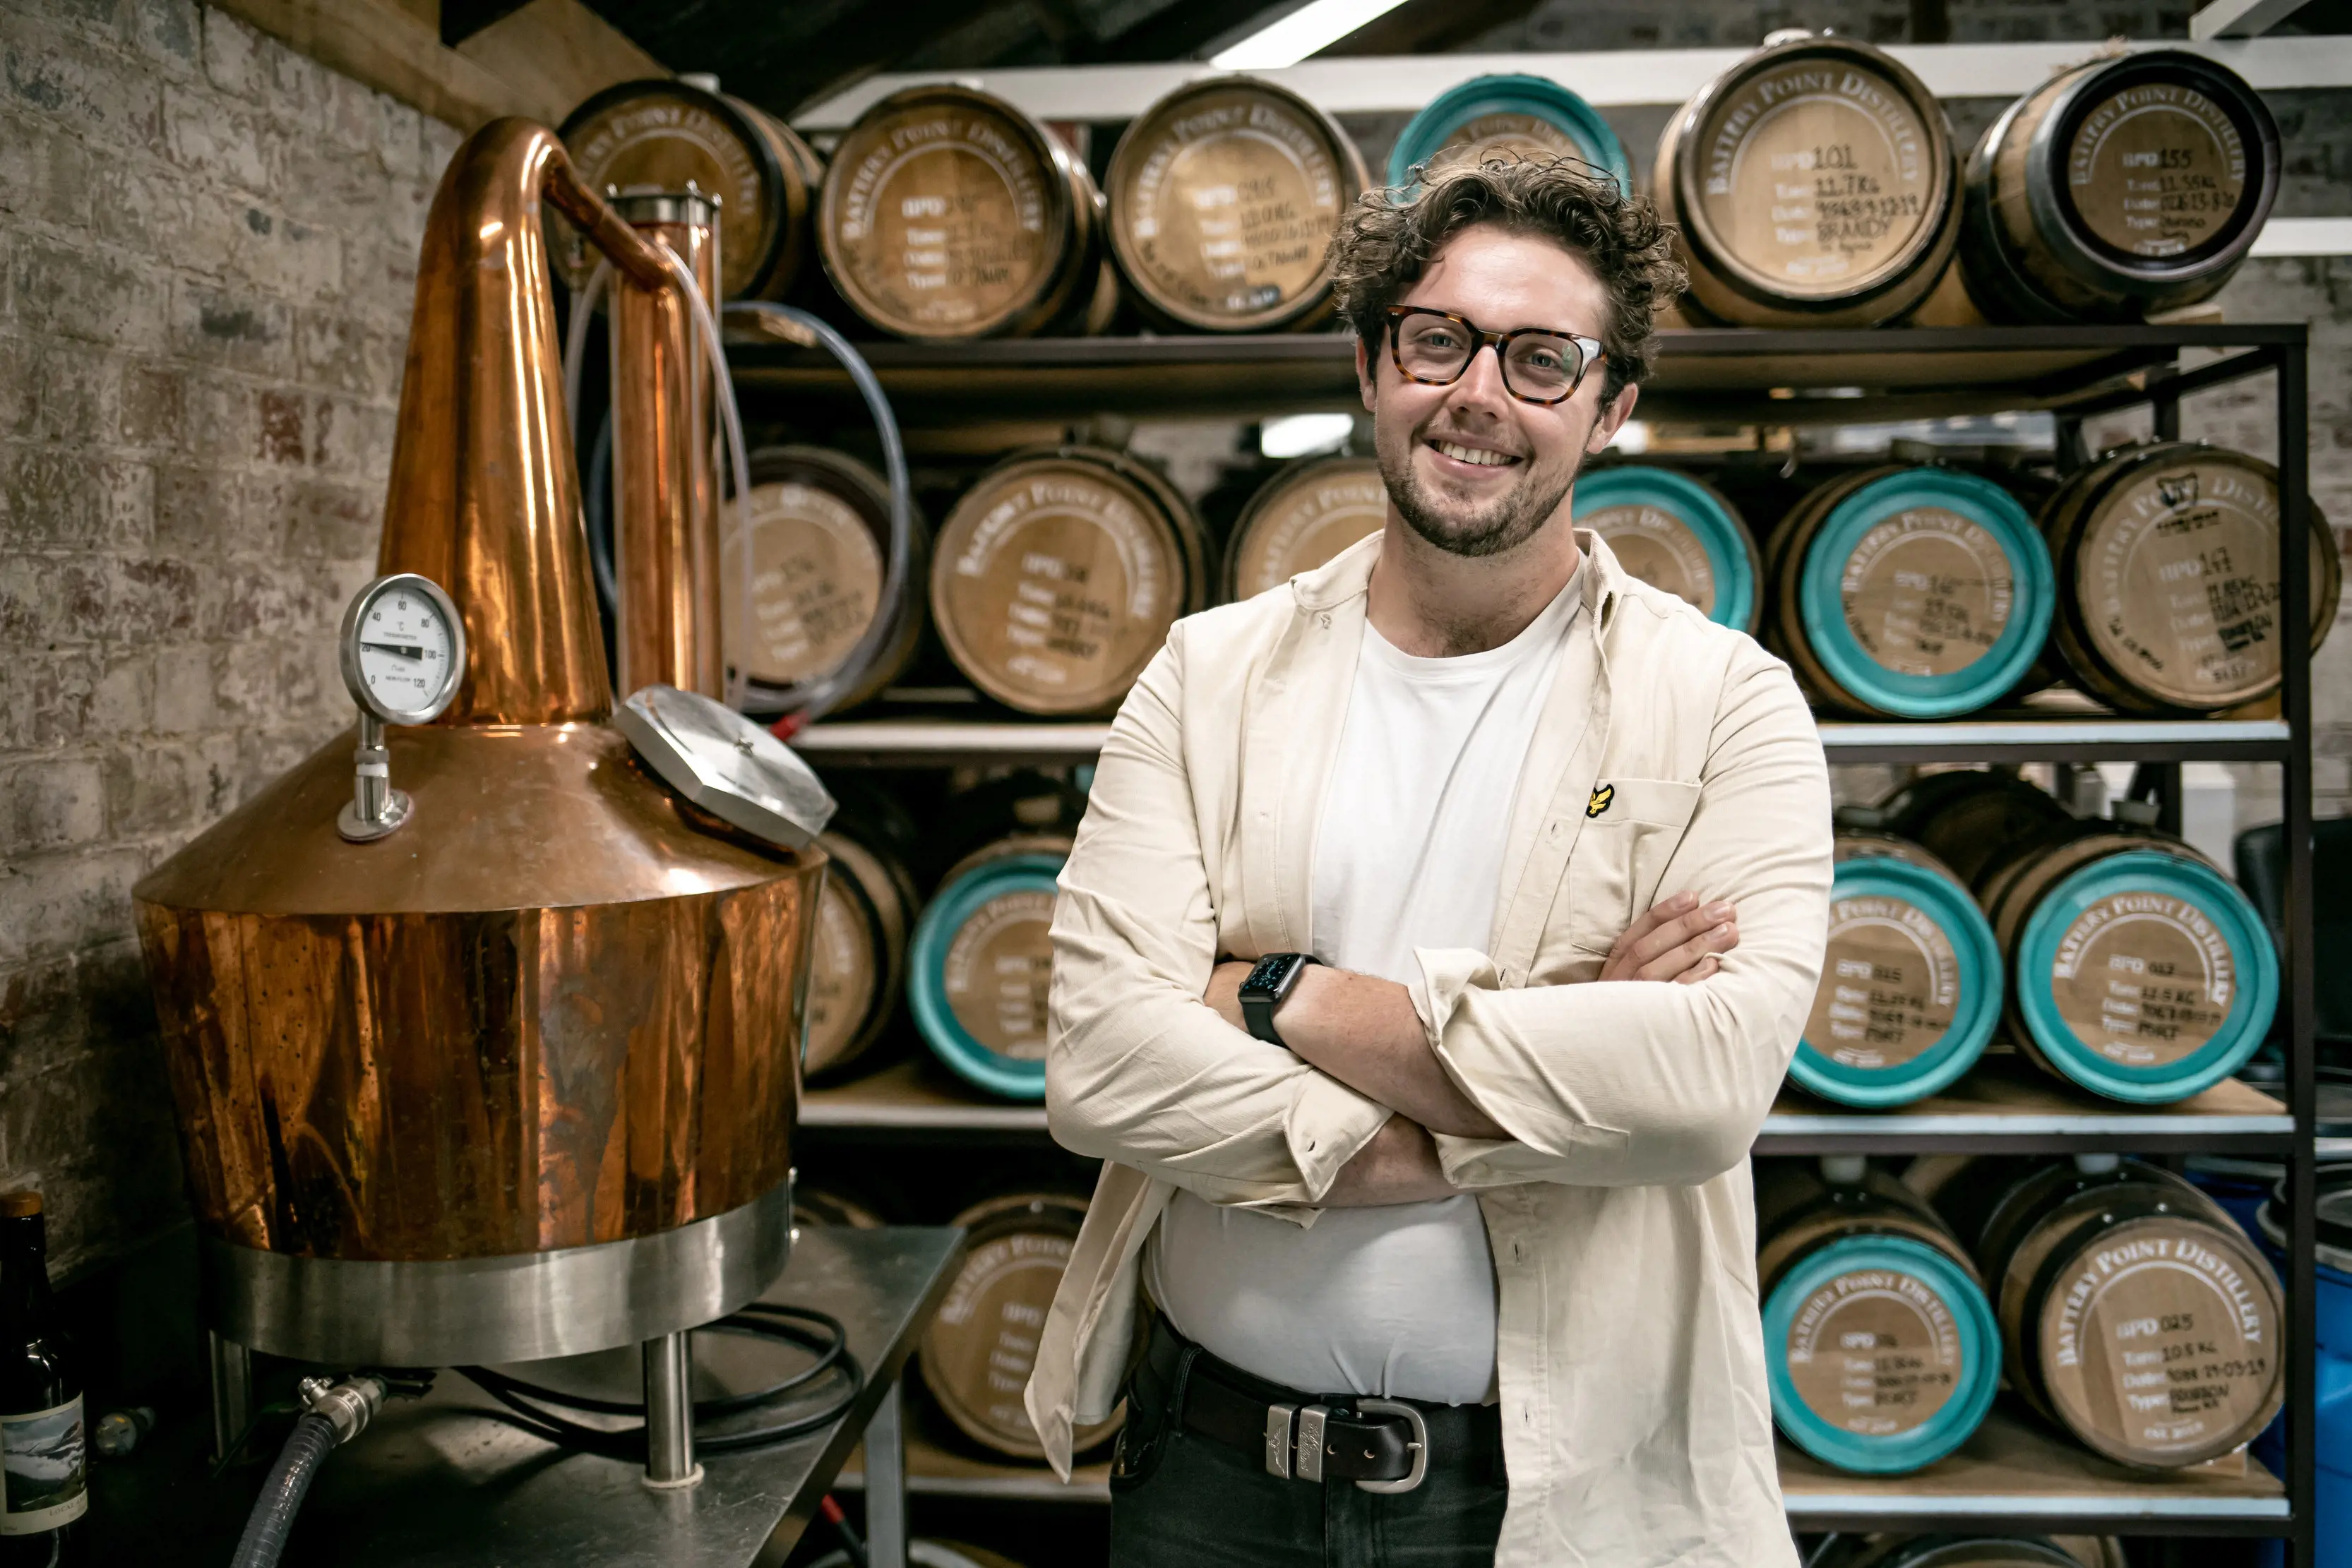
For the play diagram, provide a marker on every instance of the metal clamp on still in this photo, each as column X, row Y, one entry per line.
column 491, row 1054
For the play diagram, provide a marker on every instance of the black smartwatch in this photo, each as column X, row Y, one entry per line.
column 1269, row 984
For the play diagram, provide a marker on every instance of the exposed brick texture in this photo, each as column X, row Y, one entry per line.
column 207, row 253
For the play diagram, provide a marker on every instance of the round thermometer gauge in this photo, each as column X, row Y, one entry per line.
column 404, row 649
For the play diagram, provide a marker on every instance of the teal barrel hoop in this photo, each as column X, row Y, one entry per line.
column 967, row 1056
column 1537, row 99
column 2199, row 897
column 1974, row 1350
column 2010, row 653
column 1734, row 572
column 1904, row 897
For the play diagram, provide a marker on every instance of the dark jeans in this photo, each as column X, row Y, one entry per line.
column 1183, row 1500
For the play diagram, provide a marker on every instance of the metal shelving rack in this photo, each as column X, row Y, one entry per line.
column 2016, row 1476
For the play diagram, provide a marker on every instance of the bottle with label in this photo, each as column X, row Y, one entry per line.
column 41, row 1441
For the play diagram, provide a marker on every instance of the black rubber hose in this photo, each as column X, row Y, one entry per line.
column 312, row 1440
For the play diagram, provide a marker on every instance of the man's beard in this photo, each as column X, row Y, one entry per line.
column 1501, row 525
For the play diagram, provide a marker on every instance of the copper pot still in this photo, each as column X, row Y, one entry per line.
column 519, row 1080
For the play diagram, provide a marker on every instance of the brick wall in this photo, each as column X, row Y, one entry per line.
column 208, row 245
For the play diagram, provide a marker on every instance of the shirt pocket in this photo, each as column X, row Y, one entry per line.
column 1622, row 854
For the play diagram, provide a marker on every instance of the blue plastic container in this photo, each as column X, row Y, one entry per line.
column 2331, row 1508
column 1935, row 960
column 1671, row 530
column 1964, row 1345
column 1896, row 515
column 1533, row 111
column 2193, row 899
column 958, row 972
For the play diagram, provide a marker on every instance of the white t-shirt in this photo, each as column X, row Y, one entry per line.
column 1395, row 1301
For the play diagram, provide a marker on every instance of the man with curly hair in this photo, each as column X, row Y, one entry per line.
column 1439, row 931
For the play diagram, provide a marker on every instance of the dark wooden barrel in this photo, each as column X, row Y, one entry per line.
column 1056, row 576
column 2134, row 1311
column 1300, row 518
column 2122, row 187
column 949, row 214
column 1910, row 592
column 1224, row 196
column 978, row 1351
column 1814, row 185
column 2167, row 569
column 1967, row 817
column 865, row 919
column 1865, row 1288
column 1969, row 1552
column 820, row 526
column 1911, row 988
column 667, row 132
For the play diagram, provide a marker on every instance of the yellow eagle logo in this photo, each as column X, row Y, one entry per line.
column 1601, row 795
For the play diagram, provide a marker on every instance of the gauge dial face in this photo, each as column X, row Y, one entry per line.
column 404, row 649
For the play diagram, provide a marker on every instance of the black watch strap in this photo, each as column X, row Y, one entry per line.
column 1265, row 988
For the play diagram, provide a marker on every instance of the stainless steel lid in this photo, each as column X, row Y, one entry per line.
column 729, row 766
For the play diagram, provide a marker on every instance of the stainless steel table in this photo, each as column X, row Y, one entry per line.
column 442, row 1481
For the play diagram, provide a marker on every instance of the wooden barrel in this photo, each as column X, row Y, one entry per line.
column 1300, row 518
column 669, row 133
column 1224, row 196
column 978, row 1351
column 1677, row 533
column 2168, row 561
column 1911, row 984
column 2134, row 1311
column 1814, row 185
column 820, row 536
column 1879, row 1343
column 864, row 920
column 1920, row 592
column 815, row 1205
column 949, row 214
column 981, row 960
column 1969, row 1552
column 1967, row 817
column 2122, row 187
column 2137, row 969
column 1056, row 576
column 1507, row 116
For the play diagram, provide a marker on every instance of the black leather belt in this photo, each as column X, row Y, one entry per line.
column 1381, row 1445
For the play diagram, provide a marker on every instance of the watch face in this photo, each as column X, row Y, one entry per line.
column 1268, row 972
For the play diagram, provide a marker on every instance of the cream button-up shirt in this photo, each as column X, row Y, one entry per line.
column 1671, row 754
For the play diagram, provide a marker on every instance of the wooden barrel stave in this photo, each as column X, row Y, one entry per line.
column 2080, row 1336
column 1300, row 518
column 2050, row 232
column 662, row 131
column 947, row 213
column 821, row 524
column 978, row 1350
column 1910, row 592
column 1934, row 1356
column 1224, row 196
column 864, row 918
column 2142, row 624
column 1850, row 216
column 1056, row 576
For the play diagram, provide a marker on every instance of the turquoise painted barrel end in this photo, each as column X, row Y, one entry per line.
column 1531, row 97
column 2155, row 947
column 1930, row 542
column 1908, row 907
column 928, row 985
column 1730, row 554
column 1964, row 1333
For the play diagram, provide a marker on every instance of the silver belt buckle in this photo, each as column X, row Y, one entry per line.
column 1277, row 1440
column 1309, row 1466
column 1418, row 1447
